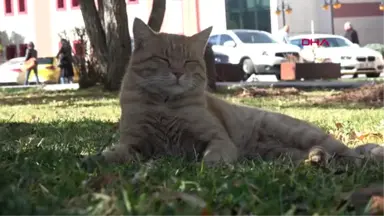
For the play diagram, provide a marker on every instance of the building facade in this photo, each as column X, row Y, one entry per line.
column 42, row 21
column 45, row 21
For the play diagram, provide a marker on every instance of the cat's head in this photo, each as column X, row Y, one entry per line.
column 168, row 64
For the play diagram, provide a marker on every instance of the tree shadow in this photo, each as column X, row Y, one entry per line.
column 35, row 153
column 71, row 138
column 35, row 98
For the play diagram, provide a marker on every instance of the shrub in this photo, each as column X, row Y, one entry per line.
column 376, row 47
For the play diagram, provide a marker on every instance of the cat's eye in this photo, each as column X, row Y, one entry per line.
column 188, row 62
column 161, row 59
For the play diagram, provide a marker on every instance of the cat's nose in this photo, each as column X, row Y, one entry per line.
column 177, row 74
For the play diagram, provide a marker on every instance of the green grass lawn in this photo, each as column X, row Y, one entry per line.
column 43, row 134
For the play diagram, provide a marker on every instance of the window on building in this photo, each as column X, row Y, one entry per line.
column 11, row 51
column 60, row 5
column 22, row 49
column 133, row 1
column 22, row 6
column 75, row 4
column 8, row 7
column 248, row 14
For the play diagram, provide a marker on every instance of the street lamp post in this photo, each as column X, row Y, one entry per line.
column 334, row 4
column 285, row 8
column 332, row 18
column 381, row 6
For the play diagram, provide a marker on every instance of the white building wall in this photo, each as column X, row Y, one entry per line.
column 69, row 19
column 173, row 18
column 64, row 21
column 140, row 10
column 19, row 28
column 212, row 13
column 367, row 33
column 300, row 18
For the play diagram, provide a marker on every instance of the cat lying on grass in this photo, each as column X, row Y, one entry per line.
column 165, row 111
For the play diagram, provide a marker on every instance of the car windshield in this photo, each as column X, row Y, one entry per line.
column 46, row 60
column 334, row 42
column 250, row 37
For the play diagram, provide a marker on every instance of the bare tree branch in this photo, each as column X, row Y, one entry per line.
column 157, row 14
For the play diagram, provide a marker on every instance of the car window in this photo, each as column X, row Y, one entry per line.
column 213, row 39
column 224, row 38
column 254, row 37
column 334, row 42
column 297, row 42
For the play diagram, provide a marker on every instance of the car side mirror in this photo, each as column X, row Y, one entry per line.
column 229, row 44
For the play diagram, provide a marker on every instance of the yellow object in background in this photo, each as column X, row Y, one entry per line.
column 48, row 71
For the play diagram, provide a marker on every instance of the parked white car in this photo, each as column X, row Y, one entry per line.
column 255, row 51
column 353, row 59
column 10, row 70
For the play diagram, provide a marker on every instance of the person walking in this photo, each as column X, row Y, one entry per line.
column 351, row 33
column 31, row 60
column 283, row 34
column 65, row 62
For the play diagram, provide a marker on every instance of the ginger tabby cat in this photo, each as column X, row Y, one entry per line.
column 165, row 111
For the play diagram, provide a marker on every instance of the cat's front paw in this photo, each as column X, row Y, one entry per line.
column 317, row 156
column 92, row 162
column 215, row 157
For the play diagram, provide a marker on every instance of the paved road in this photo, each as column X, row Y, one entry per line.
column 257, row 81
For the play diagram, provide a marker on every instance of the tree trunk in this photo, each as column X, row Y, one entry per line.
column 108, row 33
column 118, row 41
column 95, row 32
column 157, row 14
column 109, row 37
column 209, row 58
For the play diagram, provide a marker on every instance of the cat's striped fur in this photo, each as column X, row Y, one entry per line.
column 166, row 111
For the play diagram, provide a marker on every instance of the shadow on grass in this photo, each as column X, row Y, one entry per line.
column 36, row 98
column 62, row 136
column 38, row 163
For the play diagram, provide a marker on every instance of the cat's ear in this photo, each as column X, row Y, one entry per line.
column 201, row 38
column 141, row 31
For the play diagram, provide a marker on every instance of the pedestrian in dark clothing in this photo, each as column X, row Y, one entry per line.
column 31, row 54
column 65, row 62
column 350, row 33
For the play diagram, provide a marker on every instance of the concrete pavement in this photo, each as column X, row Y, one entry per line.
column 262, row 81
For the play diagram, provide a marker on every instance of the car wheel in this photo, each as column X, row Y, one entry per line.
column 372, row 75
column 248, row 67
column 278, row 76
